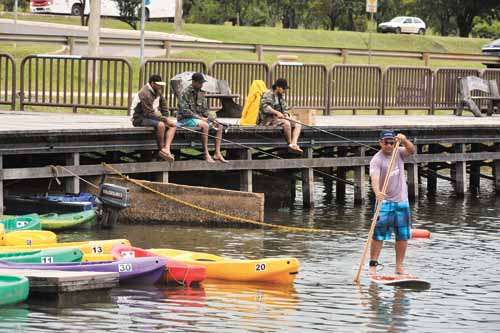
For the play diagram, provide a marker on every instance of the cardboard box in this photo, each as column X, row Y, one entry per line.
column 305, row 116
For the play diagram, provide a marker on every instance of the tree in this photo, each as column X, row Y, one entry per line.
column 466, row 10
column 129, row 11
column 328, row 11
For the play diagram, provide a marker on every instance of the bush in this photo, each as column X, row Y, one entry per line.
column 484, row 29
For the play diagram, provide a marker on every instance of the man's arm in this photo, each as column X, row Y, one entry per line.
column 164, row 107
column 267, row 102
column 185, row 106
column 146, row 101
column 409, row 147
column 375, row 181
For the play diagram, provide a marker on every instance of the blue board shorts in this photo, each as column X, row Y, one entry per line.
column 394, row 217
column 188, row 122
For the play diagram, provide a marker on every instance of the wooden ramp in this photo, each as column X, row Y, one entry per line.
column 59, row 282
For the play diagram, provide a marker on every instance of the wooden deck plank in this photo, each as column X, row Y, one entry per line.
column 49, row 282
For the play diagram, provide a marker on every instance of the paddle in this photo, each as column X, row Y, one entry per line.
column 377, row 213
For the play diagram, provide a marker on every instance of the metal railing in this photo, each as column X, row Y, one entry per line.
column 77, row 82
column 168, row 68
column 258, row 49
column 308, row 84
column 445, row 96
column 355, row 87
column 7, row 80
column 407, row 88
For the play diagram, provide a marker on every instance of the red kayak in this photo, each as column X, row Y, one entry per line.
column 176, row 271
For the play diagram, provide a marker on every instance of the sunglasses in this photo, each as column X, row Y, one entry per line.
column 388, row 143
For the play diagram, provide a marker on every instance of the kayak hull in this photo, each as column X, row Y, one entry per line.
column 44, row 256
column 23, row 222
column 29, row 238
column 18, row 205
column 268, row 270
column 13, row 289
column 176, row 272
column 56, row 221
column 137, row 270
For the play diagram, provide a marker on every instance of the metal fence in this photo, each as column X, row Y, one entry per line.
column 355, row 87
column 308, row 84
column 445, row 94
column 407, row 88
column 168, row 68
column 7, row 80
column 240, row 75
column 74, row 81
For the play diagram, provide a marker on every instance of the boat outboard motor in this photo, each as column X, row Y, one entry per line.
column 110, row 201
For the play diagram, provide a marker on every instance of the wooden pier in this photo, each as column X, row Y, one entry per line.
column 449, row 147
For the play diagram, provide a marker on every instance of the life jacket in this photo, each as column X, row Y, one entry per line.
column 250, row 111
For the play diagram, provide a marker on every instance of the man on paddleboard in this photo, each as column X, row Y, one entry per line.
column 395, row 210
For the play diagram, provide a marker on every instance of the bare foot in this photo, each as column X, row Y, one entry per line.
column 294, row 149
column 209, row 158
column 166, row 155
column 372, row 270
column 220, row 158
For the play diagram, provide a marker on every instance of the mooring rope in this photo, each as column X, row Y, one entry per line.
column 216, row 213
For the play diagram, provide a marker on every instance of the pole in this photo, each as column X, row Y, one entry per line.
column 15, row 20
column 370, row 39
column 178, row 16
column 143, row 20
column 94, row 28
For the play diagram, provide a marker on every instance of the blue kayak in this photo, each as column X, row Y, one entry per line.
column 27, row 204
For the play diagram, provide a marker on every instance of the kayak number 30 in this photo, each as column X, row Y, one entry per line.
column 260, row 267
column 125, row 268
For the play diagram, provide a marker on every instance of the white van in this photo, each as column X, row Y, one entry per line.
column 155, row 9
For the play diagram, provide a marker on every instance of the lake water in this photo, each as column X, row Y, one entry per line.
column 460, row 260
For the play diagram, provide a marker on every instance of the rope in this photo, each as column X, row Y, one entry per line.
column 216, row 213
column 74, row 174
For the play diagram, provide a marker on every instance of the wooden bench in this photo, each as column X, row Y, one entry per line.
column 490, row 95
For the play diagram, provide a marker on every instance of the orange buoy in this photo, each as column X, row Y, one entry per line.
column 420, row 233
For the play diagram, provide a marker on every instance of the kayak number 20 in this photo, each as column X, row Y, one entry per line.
column 260, row 267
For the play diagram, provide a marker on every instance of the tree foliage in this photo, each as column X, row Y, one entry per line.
column 129, row 11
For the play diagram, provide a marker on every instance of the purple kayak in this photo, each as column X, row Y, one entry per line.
column 137, row 270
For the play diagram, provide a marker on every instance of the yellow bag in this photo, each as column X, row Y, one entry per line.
column 252, row 103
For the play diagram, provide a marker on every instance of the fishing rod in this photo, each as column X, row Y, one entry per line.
column 264, row 152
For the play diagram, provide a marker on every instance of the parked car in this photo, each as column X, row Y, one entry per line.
column 492, row 49
column 403, row 24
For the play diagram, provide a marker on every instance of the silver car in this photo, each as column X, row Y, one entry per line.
column 492, row 49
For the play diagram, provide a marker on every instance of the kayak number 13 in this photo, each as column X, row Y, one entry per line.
column 260, row 267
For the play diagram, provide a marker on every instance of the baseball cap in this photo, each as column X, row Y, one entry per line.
column 155, row 78
column 198, row 77
column 387, row 134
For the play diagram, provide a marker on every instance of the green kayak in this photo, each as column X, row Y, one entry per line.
column 23, row 222
column 13, row 289
column 67, row 221
column 44, row 256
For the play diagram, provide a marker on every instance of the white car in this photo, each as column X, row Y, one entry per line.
column 403, row 24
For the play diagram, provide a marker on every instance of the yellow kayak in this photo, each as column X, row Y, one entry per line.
column 100, row 249
column 269, row 270
column 28, row 238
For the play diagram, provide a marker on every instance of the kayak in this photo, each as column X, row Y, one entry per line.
column 269, row 270
column 23, row 222
column 44, row 256
column 138, row 270
column 28, row 238
column 13, row 289
column 56, row 221
column 99, row 250
column 80, row 197
column 176, row 271
column 18, row 205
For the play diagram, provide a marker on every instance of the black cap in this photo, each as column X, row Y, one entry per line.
column 198, row 77
column 387, row 134
column 155, row 78
column 281, row 83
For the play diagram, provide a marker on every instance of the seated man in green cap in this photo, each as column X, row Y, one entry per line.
column 193, row 113
column 274, row 111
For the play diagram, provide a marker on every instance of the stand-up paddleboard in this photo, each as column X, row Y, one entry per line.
column 404, row 281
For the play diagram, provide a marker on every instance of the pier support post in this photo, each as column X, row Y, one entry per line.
column 293, row 187
column 412, row 180
column 246, row 176
column 72, row 184
column 308, row 182
column 431, row 174
column 341, row 173
column 359, row 181
column 161, row 177
column 1, row 185
column 475, row 170
column 496, row 171
column 460, row 171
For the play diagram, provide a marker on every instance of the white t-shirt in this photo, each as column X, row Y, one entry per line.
column 397, row 190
